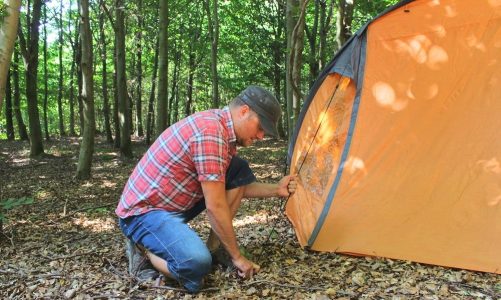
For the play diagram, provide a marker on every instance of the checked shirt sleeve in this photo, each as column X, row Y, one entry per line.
column 209, row 151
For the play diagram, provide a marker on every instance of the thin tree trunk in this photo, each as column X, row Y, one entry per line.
column 30, row 54
column 123, row 100
column 344, row 20
column 21, row 127
column 194, row 37
column 189, row 85
column 78, row 65
column 77, row 49
column 8, row 110
column 213, row 22
column 173, row 105
column 79, row 96
column 87, row 146
column 277, row 46
column 292, row 13
column 116, row 121
column 130, row 101
column 74, row 46
column 104, row 76
column 151, row 117
column 60, row 92
column 8, row 34
column 161, row 122
column 71, row 99
column 139, row 70
column 312, row 36
column 296, row 62
column 325, row 20
column 46, row 76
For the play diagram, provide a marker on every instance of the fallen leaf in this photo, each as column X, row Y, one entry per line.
column 251, row 291
column 358, row 279
column 70, row 293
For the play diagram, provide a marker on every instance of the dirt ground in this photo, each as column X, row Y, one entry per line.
column 66, row 244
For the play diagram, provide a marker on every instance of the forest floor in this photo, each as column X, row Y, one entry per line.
column 66, row 244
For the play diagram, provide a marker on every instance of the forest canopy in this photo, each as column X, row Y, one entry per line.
column 211, row 45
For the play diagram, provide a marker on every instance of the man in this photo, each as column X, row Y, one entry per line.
column 193, row 166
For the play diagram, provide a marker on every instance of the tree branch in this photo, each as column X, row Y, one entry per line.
column 110, row 18
column 292, row 57
column 22, row 42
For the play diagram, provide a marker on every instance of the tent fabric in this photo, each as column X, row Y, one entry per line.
column 398, row 147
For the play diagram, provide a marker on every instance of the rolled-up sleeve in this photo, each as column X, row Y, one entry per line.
column 209, row 151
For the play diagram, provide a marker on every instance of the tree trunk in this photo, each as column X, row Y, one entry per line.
column 213, row 21
column 21, row 127
column 151, row 101
column 194, row 37
column 325, row 20
column 296, row 60
column 130, row 100
column 8, row 34
column 46, row 76
column 60, row 92
column 277, row 46
column 71, row 99
column 123, row 99
column 173, row 102
column 162, row 97
column 29, row 49
column 74, row 46
column 104, row 78
column 116, row 120
column 312, row 34
column 292, row 13
column 344, row 20
column 78, row 61
column 8, row 110
column 87, row 146
column 139, row 70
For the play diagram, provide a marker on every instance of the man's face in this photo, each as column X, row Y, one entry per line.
column 249, row 129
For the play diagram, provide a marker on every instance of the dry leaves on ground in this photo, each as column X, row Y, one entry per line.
column 67, row 243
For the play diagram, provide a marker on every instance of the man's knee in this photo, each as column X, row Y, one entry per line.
column 201, row 262
column 192, row 271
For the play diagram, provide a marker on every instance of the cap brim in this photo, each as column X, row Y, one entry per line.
column 268, row 126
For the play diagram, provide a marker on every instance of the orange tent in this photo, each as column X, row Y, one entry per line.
column 398, row 146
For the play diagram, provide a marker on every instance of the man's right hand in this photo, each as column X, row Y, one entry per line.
column 245, row 268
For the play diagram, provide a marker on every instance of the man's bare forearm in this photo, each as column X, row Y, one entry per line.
column 261, row 190
column 220, row 217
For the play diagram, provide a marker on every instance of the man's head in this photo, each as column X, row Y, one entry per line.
column 255, row 112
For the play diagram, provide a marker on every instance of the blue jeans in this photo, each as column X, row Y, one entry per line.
column 168, row 236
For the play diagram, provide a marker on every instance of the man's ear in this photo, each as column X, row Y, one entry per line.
column 244, row 110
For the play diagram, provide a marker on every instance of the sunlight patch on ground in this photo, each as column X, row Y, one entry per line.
column 44, row 195
column 21, row 161
column 108, row 184
column 261, row 217
column 254, row 165
column 96, row 225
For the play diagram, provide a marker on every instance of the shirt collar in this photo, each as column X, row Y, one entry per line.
column 229, row 124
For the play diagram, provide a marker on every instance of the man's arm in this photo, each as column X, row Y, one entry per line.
column 283, row 188
column 220, row 219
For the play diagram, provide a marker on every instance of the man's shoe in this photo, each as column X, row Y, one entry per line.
column 140, row 266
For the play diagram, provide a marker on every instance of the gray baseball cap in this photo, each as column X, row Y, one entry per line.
column 265, row 105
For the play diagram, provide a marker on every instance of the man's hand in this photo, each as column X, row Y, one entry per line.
column 287, row 186
column 245, row 268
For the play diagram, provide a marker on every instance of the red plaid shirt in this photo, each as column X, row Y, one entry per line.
column 197, row 148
